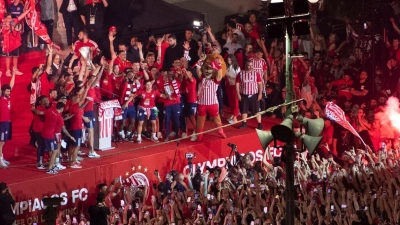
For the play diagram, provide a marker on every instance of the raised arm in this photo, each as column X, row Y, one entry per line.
column 212, row 37
column 49, row 59
column 24, row 14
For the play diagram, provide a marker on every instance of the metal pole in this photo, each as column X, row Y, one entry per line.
column 288, row 68
column 289, row 147
column 290, row 192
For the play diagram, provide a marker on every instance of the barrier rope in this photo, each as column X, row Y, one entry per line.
column 271, row 109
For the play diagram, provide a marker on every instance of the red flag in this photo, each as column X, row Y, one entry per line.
column 336, row 114
column 33, row 21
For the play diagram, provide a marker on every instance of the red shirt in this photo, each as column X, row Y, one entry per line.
column 107, row 85
column 37, row 120
column 5, row 109
column 12, row 38
column 91, row 96
column 123, row 65
column 117, row 83
column 253, row 36
column 45, row 85
column 76, row 120
column 159, row 85
column 148, row 98
column 53, row 122
column 344, row 87
column 89, row 43
column 190, row 90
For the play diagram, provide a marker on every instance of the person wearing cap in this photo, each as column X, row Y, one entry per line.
column 272, row 98
column 109, row 42
column 7, row 202
column 69, row 11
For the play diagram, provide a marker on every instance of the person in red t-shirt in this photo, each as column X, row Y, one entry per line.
column 42, row 104
column 190, row 93
column 343, row 85
column 5, row 119
column 252, row 36
column 88, row 110
column 12, row 40
column 76, row 126
column 84, row 41
column 147, row 109
column 122, row 62
column 51, row 134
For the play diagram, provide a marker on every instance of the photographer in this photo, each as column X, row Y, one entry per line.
column 7, row 202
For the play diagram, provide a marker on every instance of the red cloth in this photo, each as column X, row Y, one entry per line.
column 12, row 38
column 53, row 122
column 5, row 109
column 33, row 21
column 232, row 98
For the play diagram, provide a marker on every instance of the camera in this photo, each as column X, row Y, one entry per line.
column 232, row 145
column 190, row 155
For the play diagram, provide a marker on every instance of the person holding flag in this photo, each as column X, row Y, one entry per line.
column 12, row 40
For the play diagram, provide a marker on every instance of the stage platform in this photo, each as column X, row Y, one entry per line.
column 77, row 186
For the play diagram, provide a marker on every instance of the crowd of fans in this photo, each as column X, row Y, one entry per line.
column 360, row 188
column 163, row 83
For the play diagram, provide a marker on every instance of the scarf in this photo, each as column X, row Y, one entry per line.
column 174, row 86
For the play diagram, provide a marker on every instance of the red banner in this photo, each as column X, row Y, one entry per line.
column 33, row 21
column 78, row 188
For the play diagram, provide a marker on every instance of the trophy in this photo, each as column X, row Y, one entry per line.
column 86, row 53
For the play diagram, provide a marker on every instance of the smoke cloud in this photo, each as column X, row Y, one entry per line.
column 391, row 114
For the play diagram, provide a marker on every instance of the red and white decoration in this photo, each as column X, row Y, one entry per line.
column 106, row 117
column 33, row 21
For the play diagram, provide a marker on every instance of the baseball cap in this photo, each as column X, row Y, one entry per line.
column 112, row 28
column 270, row 85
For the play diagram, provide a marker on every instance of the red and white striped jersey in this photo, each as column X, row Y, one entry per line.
column 208, row 91
column 260, row 65
column 248, row 81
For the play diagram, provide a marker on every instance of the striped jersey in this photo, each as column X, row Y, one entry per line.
column 248, row 81
column 208, row 91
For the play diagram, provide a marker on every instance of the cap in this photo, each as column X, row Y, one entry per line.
column 270, row 85
column 112, row 28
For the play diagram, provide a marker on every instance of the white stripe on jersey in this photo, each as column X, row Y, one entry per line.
column 248, row 82
column 208, row 92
